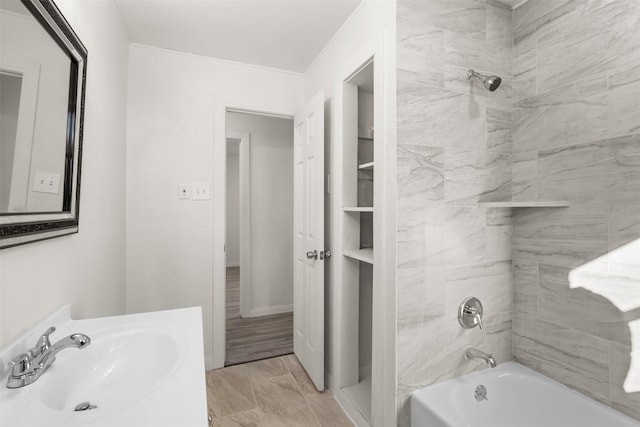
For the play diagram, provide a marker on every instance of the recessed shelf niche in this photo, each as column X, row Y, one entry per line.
column 526, row 204
column 358, row 235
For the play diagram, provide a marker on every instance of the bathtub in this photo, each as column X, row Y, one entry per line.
column 516, row 397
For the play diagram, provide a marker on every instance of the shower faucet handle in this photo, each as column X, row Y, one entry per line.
column 474, row 312
column 470, row 313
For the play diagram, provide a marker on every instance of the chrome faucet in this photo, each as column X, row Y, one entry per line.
column 474, row 353
column 28, row 367
column 470, row 313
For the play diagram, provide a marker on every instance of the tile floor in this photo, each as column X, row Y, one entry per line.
column 271, row 392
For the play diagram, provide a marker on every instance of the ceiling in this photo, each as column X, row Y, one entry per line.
column 283, row 34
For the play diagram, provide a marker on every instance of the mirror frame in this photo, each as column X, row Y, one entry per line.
column 17, row 228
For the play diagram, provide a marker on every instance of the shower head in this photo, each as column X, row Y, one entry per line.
column 490, row 82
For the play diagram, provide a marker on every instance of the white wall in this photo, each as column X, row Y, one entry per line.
column 371, row 29
column 233, row 205
column 86, row 270
column 170, row 140
column 271, row 210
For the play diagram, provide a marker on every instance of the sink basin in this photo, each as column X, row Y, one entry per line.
column 139, row 370
column 140, row 358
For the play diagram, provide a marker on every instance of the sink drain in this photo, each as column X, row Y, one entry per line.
column 84, row 406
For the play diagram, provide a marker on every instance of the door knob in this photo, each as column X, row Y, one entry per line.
column 312, row 255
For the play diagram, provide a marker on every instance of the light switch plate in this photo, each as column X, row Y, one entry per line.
column 183, row 192
column 46, row 182
column 201, row 190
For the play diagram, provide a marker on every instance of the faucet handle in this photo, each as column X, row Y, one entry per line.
column 473, row 311
column 43, row 343
column 20, row 364
column 480, row 324
column 470, row 313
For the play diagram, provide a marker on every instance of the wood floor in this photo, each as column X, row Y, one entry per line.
column 254, row 338
column 269, row 393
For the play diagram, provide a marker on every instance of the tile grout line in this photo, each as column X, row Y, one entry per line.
column 315, row 416
column 295, row 380
column 253, row 392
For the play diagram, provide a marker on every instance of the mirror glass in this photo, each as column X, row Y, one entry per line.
column 42, row 66
column 34, row 84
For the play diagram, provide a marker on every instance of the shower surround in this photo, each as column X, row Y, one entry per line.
column 564, row 125
column 576, row 137
column 454, row 150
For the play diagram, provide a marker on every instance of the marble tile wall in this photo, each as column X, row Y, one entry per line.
column 561, row 287
column 454, row 150
column 576, row 137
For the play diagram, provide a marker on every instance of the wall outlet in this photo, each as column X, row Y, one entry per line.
column 183, row 192
column 46, row 182
column 201, row 190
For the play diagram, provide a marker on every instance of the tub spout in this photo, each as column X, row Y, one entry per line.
column 474, row 353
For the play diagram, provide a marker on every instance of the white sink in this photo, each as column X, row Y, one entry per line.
column 139, row 370
column 141, row 358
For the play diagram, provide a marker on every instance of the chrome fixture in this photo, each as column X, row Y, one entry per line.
column 84, row 406
column 490, row 82
column 323, row 254
column 470, row 313
column 480, row 393
column 28, row 367
column 474, row 353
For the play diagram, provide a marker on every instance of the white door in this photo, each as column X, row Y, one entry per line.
column 308, row 245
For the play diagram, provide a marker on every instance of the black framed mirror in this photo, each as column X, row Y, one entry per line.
column 43, row 66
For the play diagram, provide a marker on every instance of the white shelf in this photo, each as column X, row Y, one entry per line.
column 548, row 204
column 364, row 255
column 358, row 209
column 366, row 166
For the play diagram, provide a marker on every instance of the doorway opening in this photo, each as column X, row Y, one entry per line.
column 259, row 237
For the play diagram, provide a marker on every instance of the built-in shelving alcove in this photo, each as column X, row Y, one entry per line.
column 358, row 237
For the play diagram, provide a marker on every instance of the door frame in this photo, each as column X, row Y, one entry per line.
column 244, row 217
column 219, row 200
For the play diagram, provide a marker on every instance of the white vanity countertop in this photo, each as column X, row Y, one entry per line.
column 139, row 370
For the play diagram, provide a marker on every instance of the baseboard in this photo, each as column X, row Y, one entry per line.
column 266, row 311
column 233, row 264
column 352, row 412
column 209, row 364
